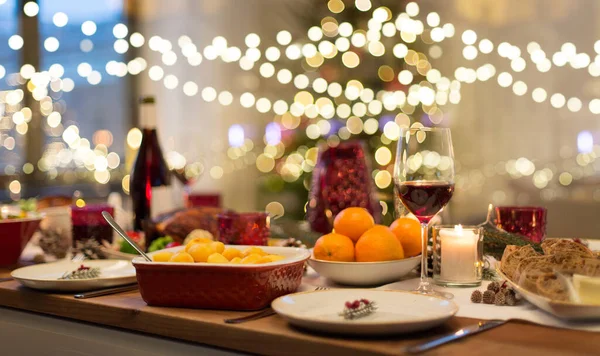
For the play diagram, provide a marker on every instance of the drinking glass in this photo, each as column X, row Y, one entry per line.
column 424, row 182
column 528, row 221
column 244, row 228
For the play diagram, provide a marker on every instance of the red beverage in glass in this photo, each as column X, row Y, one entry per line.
column 528, row 221
column 88, row 223
column 212, row 200
column 423, row 198
column 244, row 228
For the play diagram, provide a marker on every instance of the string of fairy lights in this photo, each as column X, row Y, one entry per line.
column 316, row 99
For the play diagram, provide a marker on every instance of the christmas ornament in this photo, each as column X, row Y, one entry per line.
column 358, row 309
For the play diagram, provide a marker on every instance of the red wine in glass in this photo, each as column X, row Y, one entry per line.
column 424, row 188
column 425, row 198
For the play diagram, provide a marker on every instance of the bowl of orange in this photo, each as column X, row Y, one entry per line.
column 361, row 253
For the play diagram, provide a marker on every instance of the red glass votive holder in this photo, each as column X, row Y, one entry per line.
column 528, row 221
column 196, row 200
column 244, row 228
column 88, row 223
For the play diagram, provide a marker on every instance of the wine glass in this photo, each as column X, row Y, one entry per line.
column 424, row 182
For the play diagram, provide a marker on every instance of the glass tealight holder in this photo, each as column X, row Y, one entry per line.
column 457, row 255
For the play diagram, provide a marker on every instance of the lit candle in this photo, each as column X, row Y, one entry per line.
column 459, row 257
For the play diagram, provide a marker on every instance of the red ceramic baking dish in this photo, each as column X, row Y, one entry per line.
column 15, row 234
column 220, row 286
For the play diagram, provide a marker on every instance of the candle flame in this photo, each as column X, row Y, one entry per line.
column 458, row 228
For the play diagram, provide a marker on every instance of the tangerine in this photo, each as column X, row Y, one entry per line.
column 378, row 244
column 334, row 247
column 353, row 222
column 408, row 232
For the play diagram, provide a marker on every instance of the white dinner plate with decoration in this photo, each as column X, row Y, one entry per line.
column 395, row 312
column 69, row 276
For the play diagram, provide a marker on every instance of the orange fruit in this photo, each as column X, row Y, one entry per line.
column 378, row 244
column 334, row 247
column 408, row 232
column 353, row 222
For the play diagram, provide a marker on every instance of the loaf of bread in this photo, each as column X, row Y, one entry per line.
column 512, row 260
column 540, row 273
column 564, row 245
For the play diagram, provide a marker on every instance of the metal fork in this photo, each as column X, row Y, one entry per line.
column 259, row 315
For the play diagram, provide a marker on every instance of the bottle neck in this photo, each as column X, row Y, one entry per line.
column 147, row 116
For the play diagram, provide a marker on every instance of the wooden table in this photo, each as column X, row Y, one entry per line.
column 272, row 335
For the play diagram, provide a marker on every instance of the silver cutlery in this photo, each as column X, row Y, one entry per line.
column 106, row 291
column 259, row 315
column 6, row 279
column 464, row 332
column 109, row 219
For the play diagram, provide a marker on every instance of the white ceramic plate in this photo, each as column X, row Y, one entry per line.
column 398, row 311
column 561, row 310
column 364, row 273
column 45, row 276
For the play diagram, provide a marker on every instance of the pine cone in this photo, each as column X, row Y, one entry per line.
column 53, row 243
column 494, row 286
column 489, row 297
column 511, row 299
column 476, row 296
column 292, row 242
column 89, row 248
column 500, row 299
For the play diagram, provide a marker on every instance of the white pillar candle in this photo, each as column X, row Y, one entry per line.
column 458, row 254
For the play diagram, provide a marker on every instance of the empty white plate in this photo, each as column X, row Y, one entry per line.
column 397, row 311
column 46, row 276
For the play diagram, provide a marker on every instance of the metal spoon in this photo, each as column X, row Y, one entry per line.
column 109, row 219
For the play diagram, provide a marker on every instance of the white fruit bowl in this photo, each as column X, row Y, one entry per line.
column 364, row 273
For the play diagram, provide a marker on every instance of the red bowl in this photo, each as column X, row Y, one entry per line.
column 14, row 236
column 220, row 286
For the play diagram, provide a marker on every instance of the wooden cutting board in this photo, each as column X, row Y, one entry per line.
column 273, row 335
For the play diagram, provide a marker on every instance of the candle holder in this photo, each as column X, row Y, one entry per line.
column 457, row 255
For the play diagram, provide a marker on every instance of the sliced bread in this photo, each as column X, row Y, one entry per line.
column 511, row 262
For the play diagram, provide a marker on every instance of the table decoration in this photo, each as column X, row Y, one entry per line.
column 340, row 179
column 88, row 223
column 244, row 228
column 527, row 221
column 495, row 239
column 457, row 255
column 358, row 309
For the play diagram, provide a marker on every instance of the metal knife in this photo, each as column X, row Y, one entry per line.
column 107, row 291
column 464, row 332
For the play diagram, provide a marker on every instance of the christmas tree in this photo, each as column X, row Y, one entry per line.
column 364, row 78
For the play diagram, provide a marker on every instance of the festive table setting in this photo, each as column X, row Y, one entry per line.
column 218, row 277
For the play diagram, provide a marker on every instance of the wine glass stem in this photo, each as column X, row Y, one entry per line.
column 424, row 283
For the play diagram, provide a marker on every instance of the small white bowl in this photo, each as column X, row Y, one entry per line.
column 364, row 273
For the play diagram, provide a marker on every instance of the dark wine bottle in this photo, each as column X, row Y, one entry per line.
column 150, row 178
